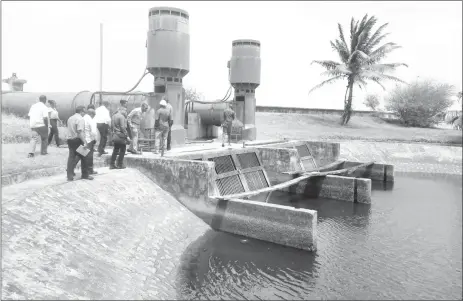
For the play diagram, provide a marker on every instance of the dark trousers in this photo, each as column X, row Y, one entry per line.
column 103, row 128
column 168, row 138
column 73, row 144
column 118, row 152
column 54, row 131
column 89, row 157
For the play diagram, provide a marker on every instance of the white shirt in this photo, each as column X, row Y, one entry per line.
column 102, row 115
column 37, row 113
column 89, row 128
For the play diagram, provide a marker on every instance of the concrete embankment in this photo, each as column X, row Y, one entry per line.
column 406, row 157
column 118, row 237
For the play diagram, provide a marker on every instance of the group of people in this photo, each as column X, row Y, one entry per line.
column 124, row 129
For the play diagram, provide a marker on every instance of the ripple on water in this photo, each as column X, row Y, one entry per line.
column 406, row 245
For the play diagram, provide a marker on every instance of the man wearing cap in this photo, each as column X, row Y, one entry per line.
column 54, row 118
column 38, row 122
column 161, row 126
column 103, row 121
column 228, row 117
column 134, row 119
column 169, row 137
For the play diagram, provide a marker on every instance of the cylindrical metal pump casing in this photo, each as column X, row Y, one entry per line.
column 245, row 63
column 20, row 103
column 168, row 43
column 210, row 114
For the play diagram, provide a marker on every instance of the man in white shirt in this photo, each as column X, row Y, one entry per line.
column 103, row 121
column 38, row 121
column 90, row 132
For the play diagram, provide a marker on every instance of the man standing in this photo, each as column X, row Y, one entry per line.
column 54, row 118
column 161, row 126
column 103, row 121
column 76, row 127
column 120, row 138
column 169, row 108
column 38, row 121
column 228, row 116
column 90, row 132
column 134, row 119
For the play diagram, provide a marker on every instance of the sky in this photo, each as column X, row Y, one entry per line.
column 55, row 46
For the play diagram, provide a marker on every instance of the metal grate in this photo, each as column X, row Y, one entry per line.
column 303, row 150
column 248, row 160
column 256, row 180
column 308, row 164
column 223, row 164
column 230, row 185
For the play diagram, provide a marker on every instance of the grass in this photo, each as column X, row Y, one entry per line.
column 327, row 127
column 16, row 129
column 16, row 135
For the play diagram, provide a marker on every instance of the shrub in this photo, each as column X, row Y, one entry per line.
column 420, row 103
column 371, row 101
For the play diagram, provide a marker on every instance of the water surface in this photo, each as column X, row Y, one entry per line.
column 406, row 245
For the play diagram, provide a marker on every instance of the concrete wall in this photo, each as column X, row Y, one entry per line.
column 270, row 222
column 336, row 188
column 290, row 110
column 278, row 160
column 190, row 182
column 376, row 172
column 323, row 152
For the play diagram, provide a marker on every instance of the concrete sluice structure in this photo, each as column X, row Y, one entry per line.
column 205, row 181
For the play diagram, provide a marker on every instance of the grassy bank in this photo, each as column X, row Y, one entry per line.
column 326, row 127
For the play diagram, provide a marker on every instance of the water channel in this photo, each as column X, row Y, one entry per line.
column 406, row 245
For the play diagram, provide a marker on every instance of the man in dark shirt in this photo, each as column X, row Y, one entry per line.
column 228, row 117
column 120, row 138
column 76, row 126
column 163, row 120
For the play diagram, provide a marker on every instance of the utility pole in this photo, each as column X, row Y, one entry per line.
column 101, row 61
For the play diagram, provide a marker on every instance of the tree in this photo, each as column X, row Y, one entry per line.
column 371, row 101
column 360, row 60
column 192, row 94
column 420, row 103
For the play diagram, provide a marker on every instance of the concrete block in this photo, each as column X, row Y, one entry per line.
column 334, row 187
column 270, row 222
column 279, row 160
column 178, row 136
column 376, row 172
column 324, row 152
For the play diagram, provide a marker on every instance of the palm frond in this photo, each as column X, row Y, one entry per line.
column 341, row 50
column 381, row 68
column 326, row 82
column 341, row 70
column 329, row 65
column 382, row 51
column 358, row 54
column 376, row 38
column 374, row 75
column 341, row 36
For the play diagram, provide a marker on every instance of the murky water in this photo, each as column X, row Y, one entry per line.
column 406, row 245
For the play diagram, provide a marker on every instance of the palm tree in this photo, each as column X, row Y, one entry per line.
column 360, row 60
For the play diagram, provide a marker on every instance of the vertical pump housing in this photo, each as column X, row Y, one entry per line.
column 168, row 60
column 245, row 68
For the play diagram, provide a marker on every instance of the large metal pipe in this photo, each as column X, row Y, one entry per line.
column 19, row 103
column 210, row 114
